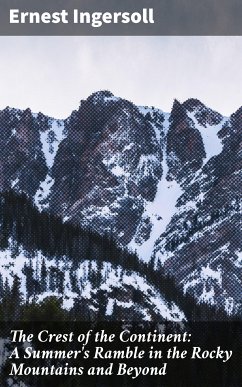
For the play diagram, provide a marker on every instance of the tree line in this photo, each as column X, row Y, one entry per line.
column 21, row 222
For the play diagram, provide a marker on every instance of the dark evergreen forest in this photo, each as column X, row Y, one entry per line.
column 32, row 230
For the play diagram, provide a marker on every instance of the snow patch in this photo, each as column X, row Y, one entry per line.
column 207, row 272
column 51, row 139
column 43, row 193
column 212, row 144
column 160, row 212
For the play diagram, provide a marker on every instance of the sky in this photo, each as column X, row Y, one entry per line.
column 52, row 74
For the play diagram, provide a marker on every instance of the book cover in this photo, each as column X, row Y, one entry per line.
column 120, row 193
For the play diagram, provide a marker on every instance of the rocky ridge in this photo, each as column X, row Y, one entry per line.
column 165, row 185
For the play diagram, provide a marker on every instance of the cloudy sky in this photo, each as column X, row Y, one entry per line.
column 52, row 74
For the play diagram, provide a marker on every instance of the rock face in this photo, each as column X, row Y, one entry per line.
column 185, row 148
column 202, row 242
column 28, row 143
column 107, row 167
column 165, row 185
column 21, row 156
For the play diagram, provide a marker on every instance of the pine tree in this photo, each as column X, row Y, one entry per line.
column 16, row 298
column 43, row 277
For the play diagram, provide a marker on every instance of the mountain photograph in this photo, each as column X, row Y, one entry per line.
column 121, row 212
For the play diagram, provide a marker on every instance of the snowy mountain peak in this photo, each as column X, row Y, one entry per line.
column 163, row 184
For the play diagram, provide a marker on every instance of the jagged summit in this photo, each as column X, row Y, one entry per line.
column 100, row 95
column 193, row 103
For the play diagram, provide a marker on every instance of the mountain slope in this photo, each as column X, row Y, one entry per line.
column 41, row 257
column 202, row 242
column 165, row 185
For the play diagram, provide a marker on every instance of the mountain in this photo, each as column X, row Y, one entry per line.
column 164, row 185
column 89, row 275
